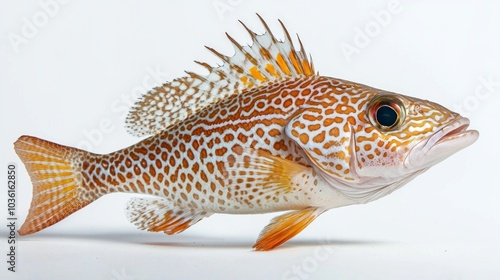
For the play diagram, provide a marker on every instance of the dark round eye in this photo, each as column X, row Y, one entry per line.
column 387, row 116
column 386, row 112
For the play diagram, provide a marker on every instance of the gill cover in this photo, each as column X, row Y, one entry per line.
column 325, row 139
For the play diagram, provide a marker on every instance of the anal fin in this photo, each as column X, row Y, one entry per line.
column 158, row 214
column 286, row 226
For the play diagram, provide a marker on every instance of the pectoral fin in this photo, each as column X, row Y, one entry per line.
column 284, row 227
column 258, row 175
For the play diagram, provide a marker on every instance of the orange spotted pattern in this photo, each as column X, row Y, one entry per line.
column 188, row 163
column 261, row 133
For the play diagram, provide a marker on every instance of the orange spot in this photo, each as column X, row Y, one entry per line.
column 260, row 132
column 121, row 178
column 328, row 121
column 204, row 177
column 307, row 68
column 287, row 103
column 134, row 156
column 346, row 127
column 310, row 118
column 330, row 144
column 137, row 170
column 198, row 186
column 319, row 138
column 190, row 154
column 228, row 137
column 210, row 167
column 274, row 132
column 257, row 74
column 282, row 64
column 314, row 127
column 243, row 138
column 221, row 151
column 195, row 167
column 306, row 92
column 295, row 63
column 195, row 145
column 141, row 150
column 141, row 186
column 304, row 138
column 368, row 139
column 152, row 171
column 270, row 68
column 244, row 80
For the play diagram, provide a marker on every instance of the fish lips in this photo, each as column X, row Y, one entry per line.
column 442, row 144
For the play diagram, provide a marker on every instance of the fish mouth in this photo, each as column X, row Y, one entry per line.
column 443, row 143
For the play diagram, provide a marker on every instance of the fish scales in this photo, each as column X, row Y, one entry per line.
column 187, row 162
column 261, row 133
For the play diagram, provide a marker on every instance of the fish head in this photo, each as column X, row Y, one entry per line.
column 367, row 142
column 401, row 135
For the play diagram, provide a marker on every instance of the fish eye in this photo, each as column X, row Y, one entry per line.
column 386, row 112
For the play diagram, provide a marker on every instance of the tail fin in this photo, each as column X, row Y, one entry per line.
column 56, row 179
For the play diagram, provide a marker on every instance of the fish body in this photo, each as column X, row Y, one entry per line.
column 261, row 133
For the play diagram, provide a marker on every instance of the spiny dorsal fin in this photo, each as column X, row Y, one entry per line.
column 158, row 214
column 267, row 60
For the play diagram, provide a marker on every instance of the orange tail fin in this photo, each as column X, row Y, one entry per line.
column 57, row 185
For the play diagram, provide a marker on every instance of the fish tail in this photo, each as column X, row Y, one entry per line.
column 58, row 189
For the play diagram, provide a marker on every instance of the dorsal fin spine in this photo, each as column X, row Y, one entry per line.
column 239, row 48
column 288, row 40
column 308, row 70
column 252, row 34
column 205, row 65
column 268, row 30
column 224, row 58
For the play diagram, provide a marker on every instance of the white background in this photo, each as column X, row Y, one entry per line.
column 77, row 71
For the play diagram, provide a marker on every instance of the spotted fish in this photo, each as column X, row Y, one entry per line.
column 264, row 132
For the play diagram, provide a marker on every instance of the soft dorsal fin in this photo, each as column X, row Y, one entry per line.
column 266, row 60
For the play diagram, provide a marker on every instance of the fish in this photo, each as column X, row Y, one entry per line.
column 263, row 132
